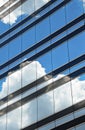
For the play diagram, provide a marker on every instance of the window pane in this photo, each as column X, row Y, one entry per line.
column 14, row 81
column 42, row 29
column 45, row 105
column 64, row 119
column 40, row 3
column 29, row 73
column 79, row 113
column 81, row 127
column 46, row 62
column 74, row 9
column 60, row 55
column 4, row 56
column 62, row 97
column 29, row 113
column 3, row 122
column 3, row 87
column 14, row 47
column 57, row 19
column 28, row 38
column 76, row 46
column 78, row 88
column 14, row 119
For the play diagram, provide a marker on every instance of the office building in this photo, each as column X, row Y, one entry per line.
column 42, row 65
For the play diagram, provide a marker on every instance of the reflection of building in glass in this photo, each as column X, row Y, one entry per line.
column 42, row 65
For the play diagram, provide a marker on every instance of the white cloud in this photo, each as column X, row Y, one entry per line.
column 29, row 73
column 46, row 105
column 27, row 8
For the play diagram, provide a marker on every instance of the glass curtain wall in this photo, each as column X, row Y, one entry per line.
column 42, row 64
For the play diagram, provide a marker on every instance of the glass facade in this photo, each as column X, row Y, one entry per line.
column 42, row 65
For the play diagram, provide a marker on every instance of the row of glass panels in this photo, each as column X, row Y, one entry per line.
column 24, row 10
column 47, row 104
column 62, row 15
column 64, row 53
column 34, row 35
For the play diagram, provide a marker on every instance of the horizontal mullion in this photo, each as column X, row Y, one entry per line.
column 77, row 31
column 43, row 41
column 34, row 23
column 56, row 116
column 42, row 79
column 42, row 91
column 27, row 18
column 70, row 124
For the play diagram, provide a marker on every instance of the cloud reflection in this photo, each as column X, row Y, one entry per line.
column 44, row 104
column 27, row 8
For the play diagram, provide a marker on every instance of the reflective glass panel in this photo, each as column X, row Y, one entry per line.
column 74, row 9
column 29, row 113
